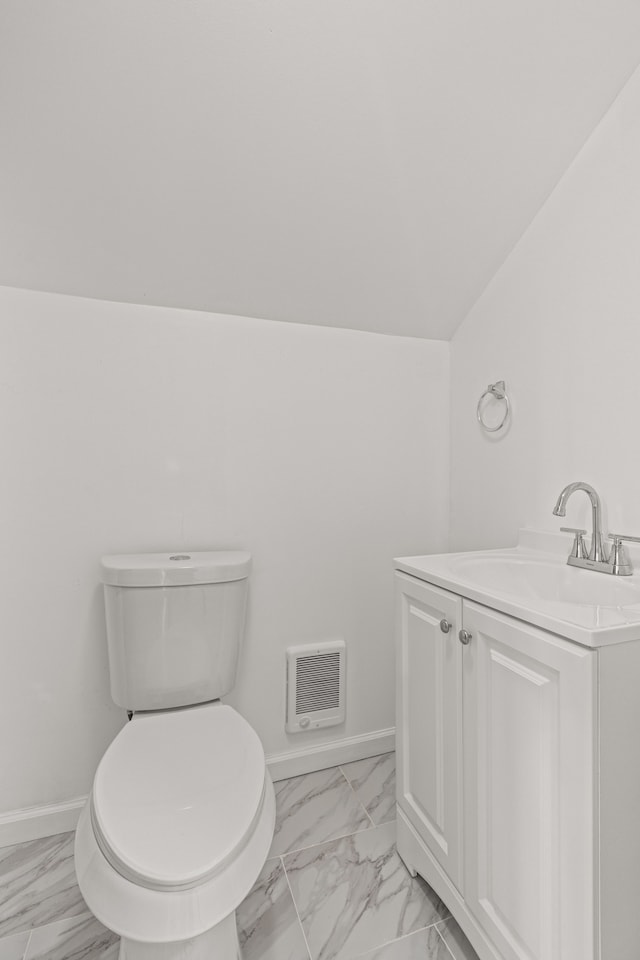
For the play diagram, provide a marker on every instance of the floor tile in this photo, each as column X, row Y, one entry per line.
column 422, row 945
column 81, row 938
column 12, row 948
column 313, row 808
column 456, row 940
column 268, row 926
column 38, row 883
column 354, row 894
column 374, row 783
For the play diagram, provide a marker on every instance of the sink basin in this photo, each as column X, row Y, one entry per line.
column 547, row 580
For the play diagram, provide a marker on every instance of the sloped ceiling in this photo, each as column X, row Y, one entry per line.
column 353, row 163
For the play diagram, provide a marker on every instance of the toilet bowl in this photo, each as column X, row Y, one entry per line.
column 175, row 832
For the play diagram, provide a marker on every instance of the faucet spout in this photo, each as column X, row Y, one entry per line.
column 597, row 551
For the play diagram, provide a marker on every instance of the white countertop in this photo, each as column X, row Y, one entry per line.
column 591, row 624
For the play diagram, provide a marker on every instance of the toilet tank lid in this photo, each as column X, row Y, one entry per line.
column 174, row 569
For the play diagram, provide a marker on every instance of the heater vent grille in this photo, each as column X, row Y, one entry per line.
column 315, row 686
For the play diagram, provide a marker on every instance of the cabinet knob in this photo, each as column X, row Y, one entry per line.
column 445, row 626
column 464, row 637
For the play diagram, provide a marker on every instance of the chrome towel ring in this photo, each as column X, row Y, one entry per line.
column 498, row 392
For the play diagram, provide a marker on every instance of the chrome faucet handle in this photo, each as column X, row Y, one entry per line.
column 619, row 558
column 579, row 548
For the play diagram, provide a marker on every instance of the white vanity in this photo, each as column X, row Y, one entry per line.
column 518, row 747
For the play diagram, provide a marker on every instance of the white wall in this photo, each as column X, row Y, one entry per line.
column 129, row 428
column 560, row 323
column 365, row 164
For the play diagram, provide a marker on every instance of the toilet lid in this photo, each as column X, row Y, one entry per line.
column 177, row 794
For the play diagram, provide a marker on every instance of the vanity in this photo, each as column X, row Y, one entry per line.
column 518, row 747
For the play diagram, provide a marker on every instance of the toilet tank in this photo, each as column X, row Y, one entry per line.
column 174, row 626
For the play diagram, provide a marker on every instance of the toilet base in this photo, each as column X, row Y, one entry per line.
column 219, row 943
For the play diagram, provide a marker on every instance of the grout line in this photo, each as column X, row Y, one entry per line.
column 50, row 923
column 42, row 926
column 405, row 936
column 26, row 946
column 368, row 815
column 357, row 798
column 348, row 781
column 343, row 836
column 295, row 907
column 447, row 947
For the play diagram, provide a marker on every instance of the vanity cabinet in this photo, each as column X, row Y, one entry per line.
column 429, row 723
column 528, row 782
column 503, row 744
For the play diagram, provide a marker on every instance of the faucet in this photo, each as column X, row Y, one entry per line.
column 597, row 552
column 617, row 562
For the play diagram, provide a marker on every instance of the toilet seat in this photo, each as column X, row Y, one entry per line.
column 146, row 914
column 177, row 795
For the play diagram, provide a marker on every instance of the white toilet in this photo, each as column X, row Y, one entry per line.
column 181, row 815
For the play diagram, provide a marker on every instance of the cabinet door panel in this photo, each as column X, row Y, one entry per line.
column 429, row 723
column 528, row 733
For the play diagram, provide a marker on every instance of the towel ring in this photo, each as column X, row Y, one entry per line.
column 498, row 392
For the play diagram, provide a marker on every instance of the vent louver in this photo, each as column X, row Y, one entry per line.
column 315, row 686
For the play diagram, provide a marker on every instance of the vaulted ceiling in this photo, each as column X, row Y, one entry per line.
column 353, row 163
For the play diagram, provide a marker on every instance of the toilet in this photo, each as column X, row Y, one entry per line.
column 181, row 814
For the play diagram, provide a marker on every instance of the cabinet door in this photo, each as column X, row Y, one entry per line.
column 529, row 788
column 429, row 717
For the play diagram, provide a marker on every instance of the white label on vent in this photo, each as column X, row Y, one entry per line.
column 315, row 685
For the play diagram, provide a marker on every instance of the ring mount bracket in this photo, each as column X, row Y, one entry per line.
column 497, row 391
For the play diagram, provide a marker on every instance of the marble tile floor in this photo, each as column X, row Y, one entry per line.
column 333, row 887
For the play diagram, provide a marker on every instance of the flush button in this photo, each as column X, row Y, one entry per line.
column 180, row 556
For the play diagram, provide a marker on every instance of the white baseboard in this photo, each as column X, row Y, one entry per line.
column 319, row 756
column 20, row 826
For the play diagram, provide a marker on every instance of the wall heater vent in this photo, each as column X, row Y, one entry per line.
column 315, row 685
